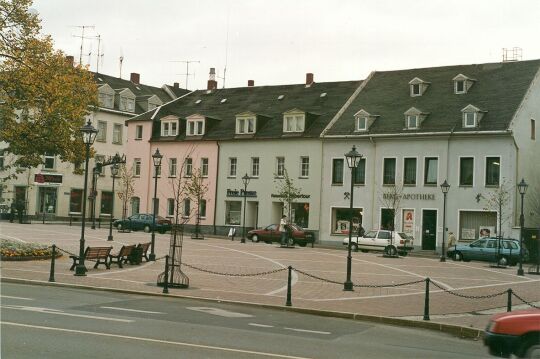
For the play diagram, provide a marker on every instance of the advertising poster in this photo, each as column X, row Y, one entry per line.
column 408, row 221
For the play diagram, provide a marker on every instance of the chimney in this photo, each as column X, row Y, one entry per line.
column 251, row 83
column 135, row 78
column 176, row 85
column 309, row 78
column 212, row 83
column 70, row 60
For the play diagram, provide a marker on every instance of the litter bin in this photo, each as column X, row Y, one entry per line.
column 136, row 255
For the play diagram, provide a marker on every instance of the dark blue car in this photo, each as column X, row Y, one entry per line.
column 143, row 222
column 486, row 249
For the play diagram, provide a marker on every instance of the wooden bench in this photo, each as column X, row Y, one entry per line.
column 121, row 256
column 144, row 247
column 98, row 254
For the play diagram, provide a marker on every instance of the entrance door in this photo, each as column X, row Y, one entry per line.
column 47, row 200
column 429, row 229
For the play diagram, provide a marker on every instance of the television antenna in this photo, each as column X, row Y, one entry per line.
column 187, row 62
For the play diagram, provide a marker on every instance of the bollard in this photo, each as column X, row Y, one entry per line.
column 166, row 279
column 289, row 277
column 426, row 301
column 509, row 302
column 51, row 275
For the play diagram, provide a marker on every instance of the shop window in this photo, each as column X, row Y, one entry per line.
column 389, row 171
column 232, row 212
column 341, row 218
column 493, row 171
column 409, row 171
column 75, row 201
column 337, row 171
column 430, row 171
column 387, row 219
column 360, row 172
column 106, row 202
column 466, row 171
column 300, row 214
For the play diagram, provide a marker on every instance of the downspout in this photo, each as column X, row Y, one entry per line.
column 321, row 176
column 373, row 181
column 216, row 191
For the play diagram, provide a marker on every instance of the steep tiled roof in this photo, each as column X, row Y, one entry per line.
column 498, row 89
column 320, row 101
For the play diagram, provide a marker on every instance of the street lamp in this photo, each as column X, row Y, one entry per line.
column 445, row 187
column 245, row 180
column 156, row 157
column 353, row 158
column 522, row 188
column 89, row 135
column 95, row 175
column 114, row 172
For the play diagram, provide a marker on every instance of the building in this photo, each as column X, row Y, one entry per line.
column 471, row 125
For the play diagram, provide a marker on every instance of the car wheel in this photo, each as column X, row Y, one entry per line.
column 354, row 247
column 255, row 238
column 119, row 226
column 147, row 228
column 457, row 256
column 531, row 349
column 390, row 250
column 503, row 261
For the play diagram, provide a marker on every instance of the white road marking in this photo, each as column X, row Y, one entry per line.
column 11, row 237
column 59, row 312
column 220, row 312
column 261, row 325
column 10, row 297
column 158, row 341
column 132, row 310
column 308, row 331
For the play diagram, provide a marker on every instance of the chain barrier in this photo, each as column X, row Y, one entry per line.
column 388, row 285
column 72, row 254
column 160, row 258
column 524, row 301
column 234, row 274
column 315, row 277
column 468, row 296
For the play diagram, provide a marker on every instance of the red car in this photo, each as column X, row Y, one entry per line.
column 515, row 333
column 271, row 234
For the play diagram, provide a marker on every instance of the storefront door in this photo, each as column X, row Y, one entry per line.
column 47, row 200
column 429, row 229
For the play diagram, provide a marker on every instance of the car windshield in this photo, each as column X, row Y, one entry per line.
column 370, row 234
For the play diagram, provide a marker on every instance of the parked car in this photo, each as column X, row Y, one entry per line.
column 142, row 221
column 515, row 333
column 271, row 234
column 485, row 249
column 379, row 240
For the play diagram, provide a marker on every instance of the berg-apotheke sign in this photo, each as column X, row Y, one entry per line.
column 48, row 179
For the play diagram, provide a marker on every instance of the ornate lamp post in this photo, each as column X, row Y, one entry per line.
column 89, row 135
column 156, row 157
column 245, row 180
column 114, row 172
column 522, row 188
column 353, row 158
column 445, row 187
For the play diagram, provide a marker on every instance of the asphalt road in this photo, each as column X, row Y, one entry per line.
column 53, row 322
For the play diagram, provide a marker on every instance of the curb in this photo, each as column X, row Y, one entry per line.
column 462, row 332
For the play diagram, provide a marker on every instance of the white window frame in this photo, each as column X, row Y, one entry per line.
column 204, row 167
column 195, row 128
column 359, row 120
column 169, row 128
column 456, row 91
column 173, row 167
column 139, row 132
column 485, row 170
column 424, row 171
column 465, row 118
column 102, row 131
column 304, row 166
column 416, row 120
column 188, row 167
column 233, row 166
column 170, row 207
column 117, row 133
column 203, row 215
column 395, row 171
column 294, row 123
column 45, row 157
column 280, row 166
column 245, row 125
column 137, row 167
column 255, row 166
column 186, row 208
column 473, row 171
column 413, row 93
column 106, row 99
column 127, row 104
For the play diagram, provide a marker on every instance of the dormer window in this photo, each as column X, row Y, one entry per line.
column 462, row 84
column 361, row 123
column 245, row 125
column 195, row 127
column 418, row 87
column 294, row 121
column 413, row 118
column 363, row 120
column 169, row 128
column 127, row 104
column 106, row 96
column 472, row 116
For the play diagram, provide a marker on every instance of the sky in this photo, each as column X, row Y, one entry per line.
column 277, row 42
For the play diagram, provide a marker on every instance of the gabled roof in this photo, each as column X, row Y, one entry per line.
column 499, row 90
column 262, row 100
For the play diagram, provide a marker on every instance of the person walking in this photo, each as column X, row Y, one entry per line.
column 283, row 230
column 452, row 241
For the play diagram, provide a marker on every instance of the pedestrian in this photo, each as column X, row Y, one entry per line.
column 13, row 209
column 361, row 231
column 232, row 233
column 451, row 240
column 20, row 209
column 283, row 229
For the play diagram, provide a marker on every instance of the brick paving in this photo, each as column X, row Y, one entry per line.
column 225, row 256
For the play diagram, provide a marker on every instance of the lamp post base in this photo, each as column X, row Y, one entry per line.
column 109, row 238
column 348, row 286
column 80, row 270
column 443, row 259
column 520, row 271
column 152, row 257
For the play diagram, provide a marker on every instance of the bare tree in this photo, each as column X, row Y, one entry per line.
column 126, row 190
column 287, row 192
column 179, row 185
column 196, row 190
column 390, row 198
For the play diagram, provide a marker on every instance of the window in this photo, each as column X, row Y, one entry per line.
column 127, row 104
column 195, row 128
column 75, row 201
column 430, row 170
column 169, row 128
column 304, row 167
column 2, row 156
column 409, row 171
column 459, row 86
column 361, row 123
column 337, row 171
column 202, row 208
column 106, row 202
column 232, row 166
column 469, row 119
column 188, row 167
column 533, row 130
column 106, row 100
column 412, row 121
column 300, row 214
column 172, row 167
column 204, row 167
column 49, row 160
column 137, row 167
column 102, row 131
column 117, row 133
column 360, row 172
column 415, row 90
column 341, row 220
column 187, row 208
column 135, row 205
column 466, row 171
column 462, row 84
column 418, row 87
column 280, row 166
column 389, row 171
column 493, row 171
column 170, row 207
column 254, row 166
column 138, row 132
column 232, row 212
column 294, row 123
column 245, row 125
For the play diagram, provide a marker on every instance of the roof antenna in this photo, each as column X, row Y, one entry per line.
column 121, row 60
column 226, row 47
column 83, row 27
column 187, row 62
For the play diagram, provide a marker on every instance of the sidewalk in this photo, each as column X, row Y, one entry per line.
column 402, row 305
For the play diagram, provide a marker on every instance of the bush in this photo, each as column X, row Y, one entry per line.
column 12, row 250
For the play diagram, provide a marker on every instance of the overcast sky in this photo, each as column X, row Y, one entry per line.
column 279, row 41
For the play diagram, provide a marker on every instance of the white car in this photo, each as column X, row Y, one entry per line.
column 379, row 240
